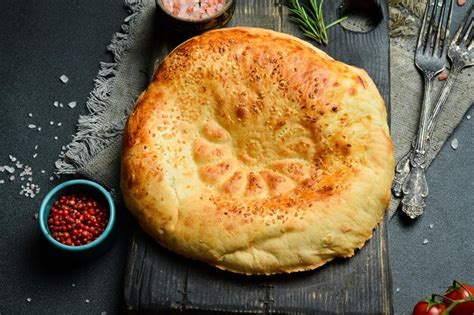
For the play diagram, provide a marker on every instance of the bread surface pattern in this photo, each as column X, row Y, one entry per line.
column 257, row 153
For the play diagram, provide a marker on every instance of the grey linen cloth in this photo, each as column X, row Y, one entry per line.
column 95, row 150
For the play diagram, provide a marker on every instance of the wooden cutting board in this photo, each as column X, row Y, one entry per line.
column 158, row 281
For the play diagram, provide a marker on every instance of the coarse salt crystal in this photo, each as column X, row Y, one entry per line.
column 61, row 105
column 28, row 299
column 43, row 171
column 51, row 178
column 87, row 301
column 9, row 169
column 431, row 225
column 72, row 104
column 454, row 144
column 12, row 178
column 51, row 122
column 30, row 115
column 36, row 147
column 39, row 128
column 425, row 241
column 35, row 155
column 55, row 137
column 56, row 104
column 398, row 290
column 59, row 124
column 31, row 126
column 64, row 78
column 468, row 117
column 12, row 158
column 2, row 181
column 73, row 285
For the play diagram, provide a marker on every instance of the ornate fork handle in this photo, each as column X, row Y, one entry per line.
column 414, row 187
column 403, row 166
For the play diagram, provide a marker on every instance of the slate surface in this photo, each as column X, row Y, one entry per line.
column 39, row 41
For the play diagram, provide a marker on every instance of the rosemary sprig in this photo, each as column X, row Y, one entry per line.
column 311, row 19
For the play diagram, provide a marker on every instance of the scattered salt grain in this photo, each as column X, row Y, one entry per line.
column 56, row 104
column 431, row 225
column 9, row 169
column 425, row 241
column 35, row 155
column 64, row 79
column 22, row 178
column 29, row 190
column 30, row 179
column 12, row 158
column 51, row 178
column 43, row 171
column 398, row 290
column 468, row 117
column 61, row 105
column 72, row 104
column 30, row 115
column 2, row 181
column 87, row 301
column 73, row 285
column 12, row 178
column 31, row 126
column 19, row 165
column 454, row 144
column 39, row 128
column 51, row 122
column 28, row 299
column 103, row 313
column 55, row 137
column 35, row 216
column 36, row 147
column 59, row 124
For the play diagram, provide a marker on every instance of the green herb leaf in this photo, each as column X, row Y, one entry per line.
column 310, row 19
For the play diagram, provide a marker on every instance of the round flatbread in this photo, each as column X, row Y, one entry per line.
column 257, row 153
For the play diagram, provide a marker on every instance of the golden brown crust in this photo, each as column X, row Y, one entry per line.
column 257, row 153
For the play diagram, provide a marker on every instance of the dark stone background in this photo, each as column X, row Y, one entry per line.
column 40, row 41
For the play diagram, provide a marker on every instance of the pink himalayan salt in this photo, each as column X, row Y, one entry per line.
column 194, row 9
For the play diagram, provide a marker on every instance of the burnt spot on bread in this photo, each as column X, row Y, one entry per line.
column 361, row 82
column 240, row 113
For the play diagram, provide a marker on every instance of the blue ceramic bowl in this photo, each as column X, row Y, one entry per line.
column 88, row 188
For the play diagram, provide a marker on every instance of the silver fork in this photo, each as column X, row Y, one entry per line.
column 461, row 55
column 430, row 59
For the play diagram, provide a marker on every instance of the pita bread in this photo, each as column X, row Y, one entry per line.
column 257, row 153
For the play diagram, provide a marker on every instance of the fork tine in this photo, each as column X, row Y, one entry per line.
column 456, row 39
column 447, row 28
column 421, row 35
column 430, row 32
column 468, row 33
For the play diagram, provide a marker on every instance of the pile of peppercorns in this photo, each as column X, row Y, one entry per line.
column 77, row 220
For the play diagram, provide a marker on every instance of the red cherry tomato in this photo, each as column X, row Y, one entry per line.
column 429, row 307
column 463, row 308
column 458, row 291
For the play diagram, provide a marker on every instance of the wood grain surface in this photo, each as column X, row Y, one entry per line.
column 158, row 281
